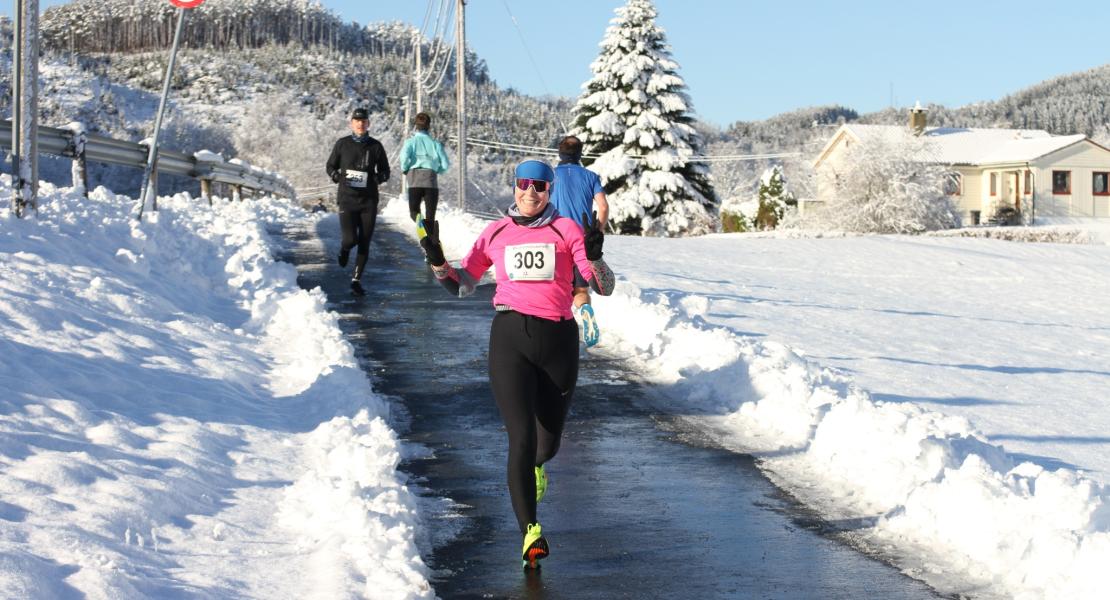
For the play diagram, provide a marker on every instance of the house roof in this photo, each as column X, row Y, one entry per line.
column 962, row 146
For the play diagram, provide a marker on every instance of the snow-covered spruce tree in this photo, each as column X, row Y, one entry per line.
column 635, row 113
column 774, row 197
column 891, row 187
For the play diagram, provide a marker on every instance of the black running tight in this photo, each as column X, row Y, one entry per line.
column 357, row 227
column 430, row 196
column 533, row 368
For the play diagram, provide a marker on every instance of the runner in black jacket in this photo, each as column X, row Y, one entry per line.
column 358, row 164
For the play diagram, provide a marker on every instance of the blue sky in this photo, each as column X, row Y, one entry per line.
column 748, row 60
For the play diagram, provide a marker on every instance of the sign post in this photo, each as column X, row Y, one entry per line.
column 152, row 153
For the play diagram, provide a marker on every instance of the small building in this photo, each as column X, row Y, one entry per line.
column 1021, row 172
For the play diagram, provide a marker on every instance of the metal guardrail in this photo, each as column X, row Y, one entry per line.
column 60, row 142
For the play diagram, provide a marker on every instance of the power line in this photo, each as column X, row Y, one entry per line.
column 427, row 17
column 528, row 51
column 442, row 73
column 707, row 158
column 446, row 9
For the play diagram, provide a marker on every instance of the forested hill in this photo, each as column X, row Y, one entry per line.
column 88, row 26
column 1069, row 104
column 1065, row 105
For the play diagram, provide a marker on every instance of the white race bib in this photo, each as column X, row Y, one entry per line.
column 530, row 262
column 356, row 179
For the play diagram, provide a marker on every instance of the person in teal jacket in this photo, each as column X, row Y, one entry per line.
column 422, row 159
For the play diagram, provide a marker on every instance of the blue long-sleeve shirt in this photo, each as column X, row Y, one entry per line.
column 422, row 151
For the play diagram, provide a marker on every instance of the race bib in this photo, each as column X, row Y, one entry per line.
column 356, row 179
column 530, row 262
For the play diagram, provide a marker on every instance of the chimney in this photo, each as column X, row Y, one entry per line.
column 917, row 118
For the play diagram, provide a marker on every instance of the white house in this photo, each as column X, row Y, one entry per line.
column 1030, row 171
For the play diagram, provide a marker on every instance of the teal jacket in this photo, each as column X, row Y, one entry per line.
column 421, row 151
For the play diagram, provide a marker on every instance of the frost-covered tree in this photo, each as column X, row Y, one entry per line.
column 765, row 210
column 887, row 188
column 737, row 214
column 635, row 113
column 774, row 197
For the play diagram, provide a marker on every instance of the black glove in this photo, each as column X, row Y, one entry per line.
column 337, row 175
column 382, row 178
column 595, row 238
column 430, row 243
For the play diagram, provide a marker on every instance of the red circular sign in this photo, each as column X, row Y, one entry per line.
column 186, row 3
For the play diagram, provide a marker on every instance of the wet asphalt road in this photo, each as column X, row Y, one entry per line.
column 633, row 510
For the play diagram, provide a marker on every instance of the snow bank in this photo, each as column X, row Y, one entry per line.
column 955, row 509
column 1054, row 234
column 179, row 418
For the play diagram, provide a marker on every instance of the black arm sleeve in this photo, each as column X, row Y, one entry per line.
column 382, row 165
column 332, row 166
column 449, row 284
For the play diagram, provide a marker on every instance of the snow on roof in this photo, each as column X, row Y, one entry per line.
column 970, row 146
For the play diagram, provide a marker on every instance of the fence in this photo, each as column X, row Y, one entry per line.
column 206, row 167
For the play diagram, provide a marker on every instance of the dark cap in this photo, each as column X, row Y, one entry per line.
column 359, row 113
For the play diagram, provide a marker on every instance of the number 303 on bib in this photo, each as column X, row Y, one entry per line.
column 530, row 262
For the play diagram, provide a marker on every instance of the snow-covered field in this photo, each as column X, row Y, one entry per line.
column 180, row 419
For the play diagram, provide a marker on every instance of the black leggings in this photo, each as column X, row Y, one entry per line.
column 533, row 368
column 430, row 196
column 357, row 227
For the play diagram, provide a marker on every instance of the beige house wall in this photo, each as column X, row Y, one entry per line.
column 1082, row 160
column 970, row 197
column 833, row 161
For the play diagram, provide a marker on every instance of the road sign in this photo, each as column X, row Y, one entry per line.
column 186, row 3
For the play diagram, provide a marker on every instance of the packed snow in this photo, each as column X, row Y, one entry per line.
column 181, row 419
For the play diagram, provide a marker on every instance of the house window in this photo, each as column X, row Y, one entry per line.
column 1061, row 182
column 1101, row 183
column 1028, row 183
column 953, row 184
column 994, row 184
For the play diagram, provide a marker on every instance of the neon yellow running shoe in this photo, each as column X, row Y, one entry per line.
column 421, row 233
column 541, row 483
column 535, row 546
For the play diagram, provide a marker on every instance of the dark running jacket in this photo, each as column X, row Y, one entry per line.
column 350, row 157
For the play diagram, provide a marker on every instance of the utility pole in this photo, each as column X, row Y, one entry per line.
column 418, row 45
column 25, row 105
column 460, row 90
column 408, row 123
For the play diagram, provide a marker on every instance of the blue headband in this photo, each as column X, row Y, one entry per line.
column 534, row 169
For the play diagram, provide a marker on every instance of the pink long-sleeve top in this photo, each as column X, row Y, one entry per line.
column 527, row 282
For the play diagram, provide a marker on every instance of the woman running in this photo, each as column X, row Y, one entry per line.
column 533, row 342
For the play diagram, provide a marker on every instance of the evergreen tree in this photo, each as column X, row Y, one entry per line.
column 774, row 197
column 635, row 113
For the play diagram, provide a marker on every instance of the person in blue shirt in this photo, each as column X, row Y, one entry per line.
column 577, row 193
column 422, row 160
